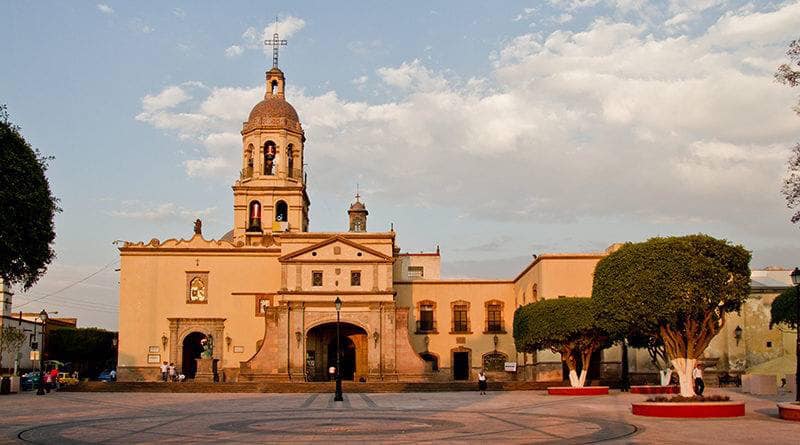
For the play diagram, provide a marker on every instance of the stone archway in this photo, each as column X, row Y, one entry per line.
column 181, row 328
column 321, row 351
column 192, row 348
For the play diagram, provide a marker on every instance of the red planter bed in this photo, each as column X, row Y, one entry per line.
column 690, row 410
column 654, row 389
column 570, row 391
column 789, row 411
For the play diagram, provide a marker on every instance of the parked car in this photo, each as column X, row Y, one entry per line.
column 66, row 379
column 109, row 375
column 29, row 380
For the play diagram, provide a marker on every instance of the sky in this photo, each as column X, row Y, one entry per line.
column 496, row 130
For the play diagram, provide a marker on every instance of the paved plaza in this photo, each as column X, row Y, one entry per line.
column 500, row 417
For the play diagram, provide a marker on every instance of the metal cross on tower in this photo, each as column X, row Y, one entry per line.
column 275, row 43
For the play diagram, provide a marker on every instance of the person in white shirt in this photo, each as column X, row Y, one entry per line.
column 482, row 382
column 164, row 371
column 697, row 374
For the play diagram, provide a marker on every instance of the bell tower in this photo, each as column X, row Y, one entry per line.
column 358, row 215
column 270, row 196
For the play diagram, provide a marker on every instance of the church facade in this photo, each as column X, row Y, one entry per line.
column 263, row 294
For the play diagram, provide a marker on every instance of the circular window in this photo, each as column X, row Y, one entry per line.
column 359, row 254
column 313, row 253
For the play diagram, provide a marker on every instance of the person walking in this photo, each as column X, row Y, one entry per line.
column 171, row 372
column 164, row 371
column 48, row 381
column 699, row 385
column 482, row 382
column 54, row 379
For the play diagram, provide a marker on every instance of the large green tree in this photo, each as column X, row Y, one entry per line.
column 677, row 288
column 90, row 350
column 566, row 326
column 784, row 309
column 27, row 208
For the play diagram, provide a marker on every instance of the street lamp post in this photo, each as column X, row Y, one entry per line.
column 338, row 396
column 43, row 318
column 796, row 281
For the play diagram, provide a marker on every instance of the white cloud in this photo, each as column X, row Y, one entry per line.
column 609, row 121
column 157, row 212
column 526, row 14
column 234, row 51
column 253, row 38
column 105, row 9
column 167, row 98
column 139, row 25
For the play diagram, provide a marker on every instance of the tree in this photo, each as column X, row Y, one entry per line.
column 566, row 326
column 11, row 339
column 677, row 289
column 27, row 208
column 787, row 75
column 90, row 350
column 784, row 309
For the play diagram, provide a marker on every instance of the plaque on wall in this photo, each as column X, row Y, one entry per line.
column 153, row 350
column 154, row 358
column 238, row 349
column 461, row 340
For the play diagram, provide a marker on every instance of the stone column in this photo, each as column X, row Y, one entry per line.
column 296, row 341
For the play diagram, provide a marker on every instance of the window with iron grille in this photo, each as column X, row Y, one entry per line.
column 355, row 278
column 316, row 278
column 494, row 318
column 426, row 318
column 460, row 322
column 416, row 271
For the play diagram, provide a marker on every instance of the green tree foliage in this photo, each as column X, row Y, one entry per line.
column 789, row 75
column 566, row 326
column 11, row 339
column 677, row 288
column 784, row 309
column 90, row 350
column 28, row 208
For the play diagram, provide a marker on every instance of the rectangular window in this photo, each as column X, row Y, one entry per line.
column 460, row 318
column 355, row 278
column 426, row 318
column 316, row 278
column 415, row 272
column 494, row 318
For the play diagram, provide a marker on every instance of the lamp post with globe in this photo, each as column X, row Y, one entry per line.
column 796, row 281
column 43, row 319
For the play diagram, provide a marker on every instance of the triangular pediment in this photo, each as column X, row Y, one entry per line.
column 335, row 248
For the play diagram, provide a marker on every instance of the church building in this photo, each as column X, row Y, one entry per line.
column 263, row 296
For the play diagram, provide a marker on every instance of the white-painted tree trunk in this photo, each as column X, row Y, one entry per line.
column 582, row 380
column 684, row 368
column 666, row 376
column 575, row 380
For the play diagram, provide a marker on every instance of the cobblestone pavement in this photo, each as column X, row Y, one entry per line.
column 506, row 417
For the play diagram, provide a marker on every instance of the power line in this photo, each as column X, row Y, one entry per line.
column 71, row 284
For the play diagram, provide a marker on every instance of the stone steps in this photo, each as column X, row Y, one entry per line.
column 304, row 387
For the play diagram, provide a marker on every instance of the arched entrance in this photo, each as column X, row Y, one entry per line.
column 192, row 348
column 321, row 351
